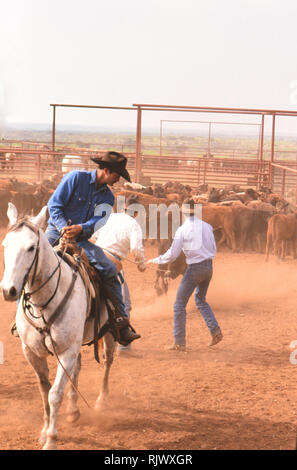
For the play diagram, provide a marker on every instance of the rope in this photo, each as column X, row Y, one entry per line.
column 148, row 266
column 70, row 379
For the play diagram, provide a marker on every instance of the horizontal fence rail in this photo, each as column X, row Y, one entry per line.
column 39, row 164
column 36, row 161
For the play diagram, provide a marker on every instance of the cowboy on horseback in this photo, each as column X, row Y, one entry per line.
column 84, row 198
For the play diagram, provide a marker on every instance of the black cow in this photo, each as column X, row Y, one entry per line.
column 170, row 270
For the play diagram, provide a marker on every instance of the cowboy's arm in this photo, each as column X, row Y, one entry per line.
column 172, row 253
column 136, row 245
column 100, row 217
column 59, row 200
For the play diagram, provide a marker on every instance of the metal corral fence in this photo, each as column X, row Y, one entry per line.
column 215, row 171
column 39, row 164
column 36, row 162
column 283, row 179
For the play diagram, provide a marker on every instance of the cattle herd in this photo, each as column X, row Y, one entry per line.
column 28, row 197
column 242, row 219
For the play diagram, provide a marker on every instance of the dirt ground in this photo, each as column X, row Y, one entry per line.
column 241, row 394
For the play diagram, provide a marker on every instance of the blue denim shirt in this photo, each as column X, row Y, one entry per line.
column 77, row 198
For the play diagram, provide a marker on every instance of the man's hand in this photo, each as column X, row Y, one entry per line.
column 71, row 231
column 141, row 266
column 150, row 261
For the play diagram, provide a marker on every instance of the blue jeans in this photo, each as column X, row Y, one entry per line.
column 126, row 299
column 127, row 302
column 197, row 276
column 98, row 259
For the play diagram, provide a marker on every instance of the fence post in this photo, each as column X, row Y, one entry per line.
column 283, row 183
column 138, row 147
column 270, row 176
column 38, row 168
column 54, row 129
column 204, row 173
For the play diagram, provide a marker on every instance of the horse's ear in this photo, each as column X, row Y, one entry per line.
column 12, row 213
column 40, row 219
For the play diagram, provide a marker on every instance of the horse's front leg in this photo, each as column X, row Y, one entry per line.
column 109, row 347
column 41, row 369
column 68, row 361
column 72, row 408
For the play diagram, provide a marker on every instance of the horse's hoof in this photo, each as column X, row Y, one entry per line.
column 100, row 405
column 50, row 446
column 42, row 439
column 73, row 417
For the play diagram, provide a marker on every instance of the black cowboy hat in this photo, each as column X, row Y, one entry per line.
column 114, row 161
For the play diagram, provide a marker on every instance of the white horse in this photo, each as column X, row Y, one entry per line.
column 34, row 272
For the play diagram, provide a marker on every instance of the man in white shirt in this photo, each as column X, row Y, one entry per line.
column 196, row 239
column 121, row 235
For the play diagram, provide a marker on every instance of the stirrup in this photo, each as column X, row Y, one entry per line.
column 127, row 335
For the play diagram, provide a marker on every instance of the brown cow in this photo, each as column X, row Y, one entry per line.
column 5, row 198
column 237, row 226
column 282, row 228
column 215, row 216
column 174, row 197
column 243, row 228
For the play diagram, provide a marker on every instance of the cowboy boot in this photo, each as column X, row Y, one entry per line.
column 125, row 332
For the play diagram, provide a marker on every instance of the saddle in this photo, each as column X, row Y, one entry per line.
column 117, row 262
column 76, row 258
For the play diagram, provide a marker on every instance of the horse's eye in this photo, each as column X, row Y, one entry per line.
column 31, row 248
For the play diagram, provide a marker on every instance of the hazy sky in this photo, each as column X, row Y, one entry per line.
column 235, row 53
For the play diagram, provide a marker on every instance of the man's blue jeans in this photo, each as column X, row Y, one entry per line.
column 128, row 307
column 126, row 299
column 197, row 276
column 98, row 259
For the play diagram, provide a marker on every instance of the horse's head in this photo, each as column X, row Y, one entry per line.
column 21, row 250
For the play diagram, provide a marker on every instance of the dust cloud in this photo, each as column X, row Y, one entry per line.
column 248, row 279
column 241, row 280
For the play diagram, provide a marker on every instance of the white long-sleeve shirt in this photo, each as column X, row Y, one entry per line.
column 195, row 238
column 121, row 235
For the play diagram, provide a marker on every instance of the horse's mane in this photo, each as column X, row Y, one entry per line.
column 23, row 221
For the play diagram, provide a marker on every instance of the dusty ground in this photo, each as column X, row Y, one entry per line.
column 239, row 395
